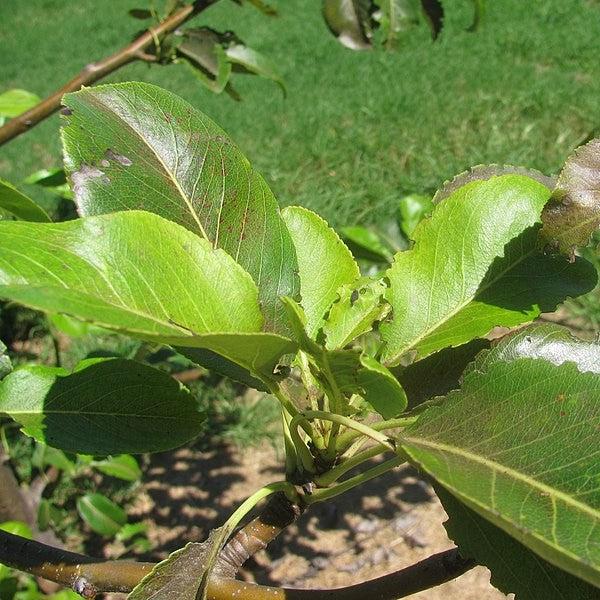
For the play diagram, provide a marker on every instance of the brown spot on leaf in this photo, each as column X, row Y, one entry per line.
column 82, row 177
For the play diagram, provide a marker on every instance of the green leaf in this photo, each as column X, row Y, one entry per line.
column 106, row 406
column 357, row 373
column 5, row 364
column 137, row 273
column 19, row 205
column 134, row 145
column 519, row 443
column 47, row 178
column 365, row 243
column 573, row 213
column 251, row 61
column 349, row 21
column 101, row 514
column 517, row 289
column 44, row 456
column 325, row 263
column 514, row 568
column 203, row 47
column 358, row 306
column 412, row 209
column 15, row 102
column 123, row 467
column 130, row 530
column 183, row 575
column 441, row 275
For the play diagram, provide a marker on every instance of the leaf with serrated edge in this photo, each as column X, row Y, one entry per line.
column 514, row 568
column 454, row 248
column 358, row 306
column 135, row 146
column 519, row 443
column 573, row 213
column 324, row 261
column 19, row 205
column 106, row 406
column 139, row 274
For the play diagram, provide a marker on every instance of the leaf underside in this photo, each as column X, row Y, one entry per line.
column 519, row 443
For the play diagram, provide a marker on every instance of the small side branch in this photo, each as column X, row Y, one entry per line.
column 95, row 71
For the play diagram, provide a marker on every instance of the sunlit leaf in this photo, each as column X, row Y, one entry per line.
column 139, row 274
column 412, row 209
column 123, row 467
column 15, row 102
column 246, row 59
column 136, row 146
column 325, row 263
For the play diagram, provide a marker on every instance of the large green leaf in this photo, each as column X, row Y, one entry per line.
column 514, row 568
column 137, row 273
column 19, row 205
column 573, row 213
column 136, row 146
column 519, row 443
column 441, row 275
column 106, row 406
column 324, row 261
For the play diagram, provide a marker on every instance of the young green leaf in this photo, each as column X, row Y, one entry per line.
column 349, row 21
column 514, row 568
column 136, row 146
column 106, row 406
column 137, row 273
column 19, row 205
column 519, row 443
column 441, row 275
column 397, row 16
column 101, row 514
column 573, row 213
column 358, row 306
column 324, row 261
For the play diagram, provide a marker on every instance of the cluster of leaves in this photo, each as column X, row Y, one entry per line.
column 180, row 242
column 361, row 24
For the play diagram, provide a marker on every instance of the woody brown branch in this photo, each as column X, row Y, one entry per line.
column 97, row 70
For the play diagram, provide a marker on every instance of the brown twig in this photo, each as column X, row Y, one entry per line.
column 90, row 576
column 97, row 70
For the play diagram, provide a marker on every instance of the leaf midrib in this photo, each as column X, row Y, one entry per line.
column 170, row 175
column 505, row 470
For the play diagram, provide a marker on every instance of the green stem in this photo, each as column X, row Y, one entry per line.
column 334, row 474
column 291, row 456
column 346, row 438
column 279, row 486
column 327, row 493
column 361, row 428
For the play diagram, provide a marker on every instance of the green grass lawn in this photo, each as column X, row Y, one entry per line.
column 357, row 129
